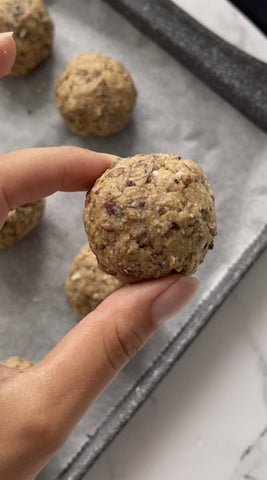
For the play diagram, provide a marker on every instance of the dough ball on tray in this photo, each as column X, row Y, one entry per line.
column 95, row 95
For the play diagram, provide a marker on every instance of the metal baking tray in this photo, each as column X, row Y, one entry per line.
column 230, row 72
column 175, row 112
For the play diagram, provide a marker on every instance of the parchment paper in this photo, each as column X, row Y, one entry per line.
column 174, row 113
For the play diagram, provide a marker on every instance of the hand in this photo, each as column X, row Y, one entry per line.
column 40, row 406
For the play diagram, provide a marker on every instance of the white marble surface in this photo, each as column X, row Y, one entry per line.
column 208, row 418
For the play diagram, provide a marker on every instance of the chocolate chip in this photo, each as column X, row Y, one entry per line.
column 211, row 245
column 17, row 10
column 161, row 209
column 140, row 203
column 113, row 208
column 130, row 182
column 204, row 213
column 174, row 226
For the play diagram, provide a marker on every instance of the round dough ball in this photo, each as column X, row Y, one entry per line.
column 95, row 95
column 33, row 32
column 150, row 215
column 17, row 362
column 87, row 285
column 20, row 221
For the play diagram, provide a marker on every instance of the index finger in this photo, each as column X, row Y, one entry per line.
column 7, row 52
column 27, row 175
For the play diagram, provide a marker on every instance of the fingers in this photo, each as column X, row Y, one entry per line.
column 7, row 53
column 91, row 354
column 54, row 394
column 28, row 175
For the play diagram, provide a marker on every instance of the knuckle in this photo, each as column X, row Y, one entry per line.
column 121, row 343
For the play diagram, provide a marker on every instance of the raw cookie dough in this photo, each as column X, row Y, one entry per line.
column 95, row 95
column 87, row 285
column 20, row 221
column 33, row 32
column 150, row 215
column 16, row 362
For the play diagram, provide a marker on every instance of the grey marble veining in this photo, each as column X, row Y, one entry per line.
column 252, row 464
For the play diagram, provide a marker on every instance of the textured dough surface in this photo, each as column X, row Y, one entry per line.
column 87, row 285
column 150, row 215
column 95, row 95
column 17, row 362
column 20, row 221
column 33, row 32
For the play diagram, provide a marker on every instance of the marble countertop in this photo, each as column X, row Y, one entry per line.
column 208, row 418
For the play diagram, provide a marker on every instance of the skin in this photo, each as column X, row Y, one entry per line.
column 34, row 421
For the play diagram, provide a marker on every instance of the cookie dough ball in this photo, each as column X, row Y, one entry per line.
column 20, row 221
column 16, row 362
column 33, row 32
column 150, row 215
column 87, row 285
column 95, row 95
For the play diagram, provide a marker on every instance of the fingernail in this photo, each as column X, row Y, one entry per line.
column 173, row 299
column 112, row 158
column 6, row 34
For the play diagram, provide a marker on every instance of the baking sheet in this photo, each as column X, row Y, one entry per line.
column 174, row 113
column 239, row 78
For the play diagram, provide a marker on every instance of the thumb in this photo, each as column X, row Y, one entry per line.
column 7, row 52
column 92, row 353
